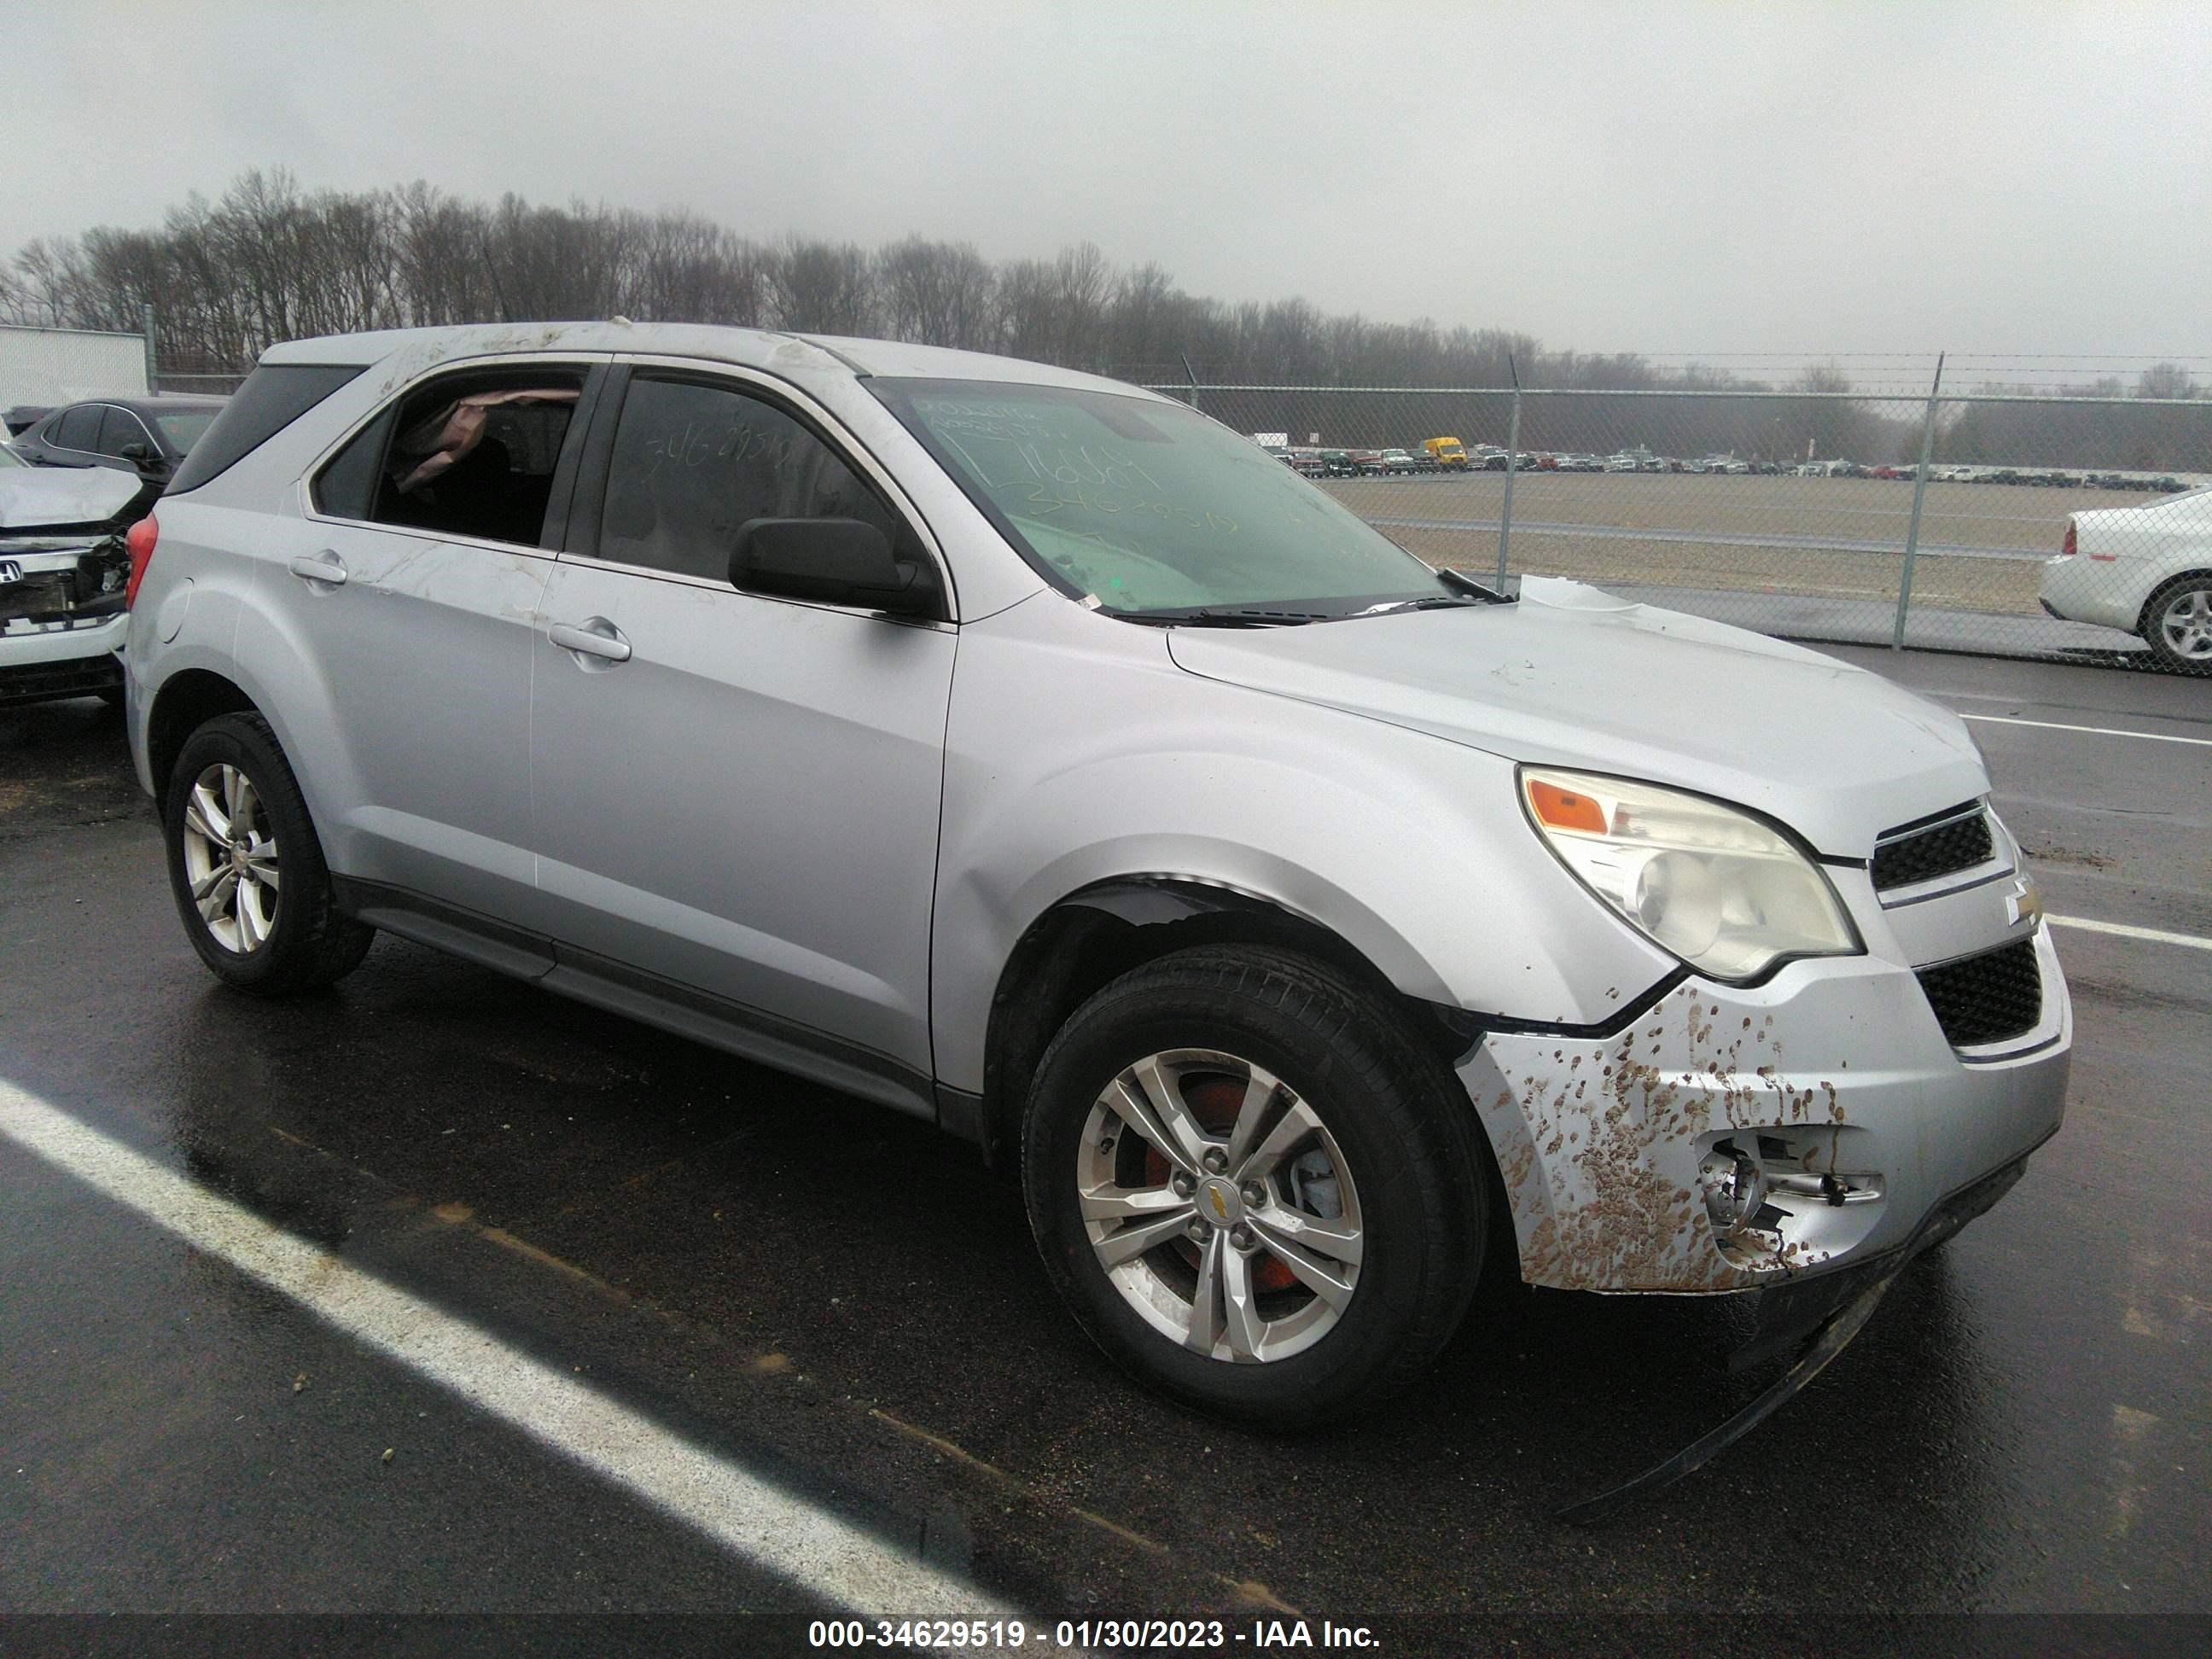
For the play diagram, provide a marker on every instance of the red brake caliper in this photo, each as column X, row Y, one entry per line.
column 1214, row 1102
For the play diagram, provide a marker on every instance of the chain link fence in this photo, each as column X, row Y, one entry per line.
column 2015, row 524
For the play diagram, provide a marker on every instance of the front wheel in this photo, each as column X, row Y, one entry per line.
column 1253, row 1186
column 246, row 868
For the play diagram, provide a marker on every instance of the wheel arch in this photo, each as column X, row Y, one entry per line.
column 186, row 701
column 2158, row 588
column 1102, row 930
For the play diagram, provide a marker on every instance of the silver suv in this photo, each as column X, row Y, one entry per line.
column 1313, row 930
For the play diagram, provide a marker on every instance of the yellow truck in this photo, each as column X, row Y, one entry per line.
column 1446, row 452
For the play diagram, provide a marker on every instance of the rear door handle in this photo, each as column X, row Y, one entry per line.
column 324, row 567
column 595, row 636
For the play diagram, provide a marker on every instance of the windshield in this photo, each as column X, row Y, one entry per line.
column 1149, row 508
column 10, row 457
column 183, row 429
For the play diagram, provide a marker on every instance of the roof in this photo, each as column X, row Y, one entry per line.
column 756, row 347
column 159, row 403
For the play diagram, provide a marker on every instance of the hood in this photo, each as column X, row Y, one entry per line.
column 64, row 497
column 1573, row 676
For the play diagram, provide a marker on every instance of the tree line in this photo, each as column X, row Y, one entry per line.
column 270, row 261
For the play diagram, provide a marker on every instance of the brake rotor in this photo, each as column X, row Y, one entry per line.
column 1214, row 1102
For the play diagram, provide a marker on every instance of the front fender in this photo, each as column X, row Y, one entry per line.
column 1077, row 753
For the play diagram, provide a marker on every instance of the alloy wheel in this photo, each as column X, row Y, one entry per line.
column 1220, row 1206
column 231, row 858
column 2187, row 624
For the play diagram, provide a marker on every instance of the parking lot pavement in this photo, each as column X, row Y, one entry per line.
column 836, row 1305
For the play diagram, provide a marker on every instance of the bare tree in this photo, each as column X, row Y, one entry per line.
column 686, row 269
column 821, row 287
column 2166, row 380
column 937, row 292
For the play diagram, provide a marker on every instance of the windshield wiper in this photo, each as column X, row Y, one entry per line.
column 1230, row 617
column 1482, row 591
column 1470, row 592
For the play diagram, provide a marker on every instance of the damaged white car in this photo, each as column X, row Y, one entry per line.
column 1316, row 931
column 63, row 569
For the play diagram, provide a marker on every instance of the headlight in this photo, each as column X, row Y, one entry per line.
column 1716, row 886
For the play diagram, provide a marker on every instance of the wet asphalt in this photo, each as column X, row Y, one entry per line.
column 841, row 1299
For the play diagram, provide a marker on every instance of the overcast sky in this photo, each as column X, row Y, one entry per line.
column 2031, row 177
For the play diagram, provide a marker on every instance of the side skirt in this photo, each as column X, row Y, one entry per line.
column 733, row 1027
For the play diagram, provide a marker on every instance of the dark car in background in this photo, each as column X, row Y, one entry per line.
column 148, row 436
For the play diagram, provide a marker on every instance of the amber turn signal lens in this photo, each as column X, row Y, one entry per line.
column 1563, row 809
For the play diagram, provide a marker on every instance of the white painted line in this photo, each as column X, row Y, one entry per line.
column 2156, row 935
column 763, row 1524
column 2101, row 731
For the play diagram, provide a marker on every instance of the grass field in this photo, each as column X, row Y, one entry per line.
column 1683, row 530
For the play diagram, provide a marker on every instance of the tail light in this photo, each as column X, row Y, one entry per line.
column 138, row 542
column 2067, row 548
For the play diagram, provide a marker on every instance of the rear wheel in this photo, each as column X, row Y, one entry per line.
column 2177, row 622
column 246, row 868
column 1254, row 1186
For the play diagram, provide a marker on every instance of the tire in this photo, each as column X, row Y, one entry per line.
column 2177, row 624
column 272, row 926
column 1354, row 1133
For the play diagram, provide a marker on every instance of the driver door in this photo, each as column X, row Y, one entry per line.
column 738, row 795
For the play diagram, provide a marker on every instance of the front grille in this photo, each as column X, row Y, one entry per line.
column 1986, row 998
column 1942, row 849
column 42, row 594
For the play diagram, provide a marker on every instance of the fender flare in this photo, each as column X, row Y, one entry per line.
column 1090, row 935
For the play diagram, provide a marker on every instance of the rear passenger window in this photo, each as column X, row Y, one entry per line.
column 78, row 430
column 693, row 461
column 470, row 456
column 346, row 489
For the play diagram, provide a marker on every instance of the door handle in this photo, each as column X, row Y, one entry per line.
column 595, row 636
column 324, row 567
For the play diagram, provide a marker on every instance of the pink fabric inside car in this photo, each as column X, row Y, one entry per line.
column 459, row 428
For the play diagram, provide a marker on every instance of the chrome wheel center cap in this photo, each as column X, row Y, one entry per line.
column 1220, row 1203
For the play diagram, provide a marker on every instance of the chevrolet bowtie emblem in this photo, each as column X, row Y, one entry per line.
column 1220, row 1208
column 2024, row 902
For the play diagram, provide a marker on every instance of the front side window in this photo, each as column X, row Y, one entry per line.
column 79, row 428
column 693, row 460
column 1146, row 507
column 470, row 456
column 120, row 427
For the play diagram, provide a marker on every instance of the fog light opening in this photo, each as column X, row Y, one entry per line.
column 1734, row 1188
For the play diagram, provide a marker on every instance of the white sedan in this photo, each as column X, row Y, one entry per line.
column 2145, row 570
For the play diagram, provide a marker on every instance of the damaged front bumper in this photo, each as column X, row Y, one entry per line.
column 62, row 618
column 1733, row 1137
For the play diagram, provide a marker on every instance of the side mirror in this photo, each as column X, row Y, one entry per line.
column 830, row 562
column 140, row 452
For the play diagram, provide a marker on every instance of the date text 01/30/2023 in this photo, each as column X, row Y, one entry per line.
column 1262, row 1635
